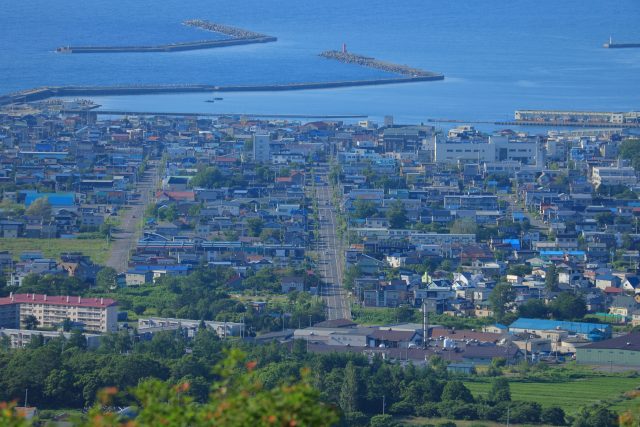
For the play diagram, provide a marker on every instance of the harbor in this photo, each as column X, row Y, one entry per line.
column 238, row 36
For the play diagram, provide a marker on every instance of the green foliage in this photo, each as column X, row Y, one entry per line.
column 630, row 150
column 595, row 416
column 456, row 391
column 364, row 209
column 255, row 226
column 397, row 215
column 567, row 306
column 40, row 208
column 551, row 278
column 52, row 284
column 106, row 278
column 501, row 300
column 553, row 415
column 464, row 226
column 500, row 391
column 533, row 308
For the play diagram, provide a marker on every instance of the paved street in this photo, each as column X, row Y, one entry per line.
column 329, row 250
column 126, row 234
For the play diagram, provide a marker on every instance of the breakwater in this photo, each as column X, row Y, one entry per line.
column 174, row 47
column 238, row 36
column 620, row 45
column 235, row 32
column 79, row 91
column 366, row 61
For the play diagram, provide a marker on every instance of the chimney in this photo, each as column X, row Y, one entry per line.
column 79, row 298
column 101, row 301
column 67, row 298
column 45, row 297
column 11, row 295
column 33, row 297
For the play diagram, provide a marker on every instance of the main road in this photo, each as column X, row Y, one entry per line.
column 330, row 252
column 125, row 236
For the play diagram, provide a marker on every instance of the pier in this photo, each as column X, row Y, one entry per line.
column 238, row 36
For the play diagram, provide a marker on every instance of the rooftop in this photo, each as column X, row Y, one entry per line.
column 73, row 301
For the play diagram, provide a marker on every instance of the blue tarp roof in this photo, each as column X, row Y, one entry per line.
column 546, row 324
column 55, row 199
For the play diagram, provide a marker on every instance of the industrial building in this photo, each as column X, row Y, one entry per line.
column 619, row 351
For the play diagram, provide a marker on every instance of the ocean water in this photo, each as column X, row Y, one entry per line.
column 497, row 56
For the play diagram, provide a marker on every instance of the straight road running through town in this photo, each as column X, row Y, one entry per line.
column 124, row 238
column 329, row 254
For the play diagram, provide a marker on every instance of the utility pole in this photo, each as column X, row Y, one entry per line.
column 383, row 403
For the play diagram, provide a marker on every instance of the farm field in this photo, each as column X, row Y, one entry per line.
column 97, row 249
column 570, row 394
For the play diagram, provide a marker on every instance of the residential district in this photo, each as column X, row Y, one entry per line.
column 410, row 244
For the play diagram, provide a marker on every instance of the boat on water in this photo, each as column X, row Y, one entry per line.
column 218, row 99
column 210, row 100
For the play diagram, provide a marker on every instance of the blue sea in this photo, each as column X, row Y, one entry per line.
column 497, row 55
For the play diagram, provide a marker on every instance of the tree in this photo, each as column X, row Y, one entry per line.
column 501, row 300
column 31, row 322
column 456, row 391
column 397, row 215
column 552, row 415
column 209, row 177
column 595, row 416
column 567, row 306
column 255, row 226
column 533, row 308
column 40, row 208
column 385, row 420
column 364, row 208
column 464, row 226
column 350, row 390
column 551, row 278
column 106, row 278
column 500, row 390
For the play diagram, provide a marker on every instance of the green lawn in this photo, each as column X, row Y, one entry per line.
column 570, row 394
column 97, row 249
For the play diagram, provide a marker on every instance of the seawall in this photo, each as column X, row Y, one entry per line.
column 173, row 47
column 238, row 36
column 60, row 91
column 620, row 45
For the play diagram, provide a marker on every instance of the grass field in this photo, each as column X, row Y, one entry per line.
column 97, row 249
column 570, row 395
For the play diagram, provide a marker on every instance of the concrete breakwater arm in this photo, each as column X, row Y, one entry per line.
column 236, row 33
column 366, row 61
column 57, row 91
column 237, row 36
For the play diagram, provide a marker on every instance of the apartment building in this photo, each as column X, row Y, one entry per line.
column 96, row 314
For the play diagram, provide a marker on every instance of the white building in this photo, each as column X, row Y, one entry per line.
column 261, row 149
column 95, row 314
column 613, row 176
column 498, row 148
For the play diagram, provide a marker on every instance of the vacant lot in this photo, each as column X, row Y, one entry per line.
column 97, row 249
column 569, row 395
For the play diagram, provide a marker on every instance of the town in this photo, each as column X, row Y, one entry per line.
column 457, row 249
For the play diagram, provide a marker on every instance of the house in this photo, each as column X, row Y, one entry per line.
column 138, row 277
column 389, row 338
column 290, row 284
column 619, row 351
